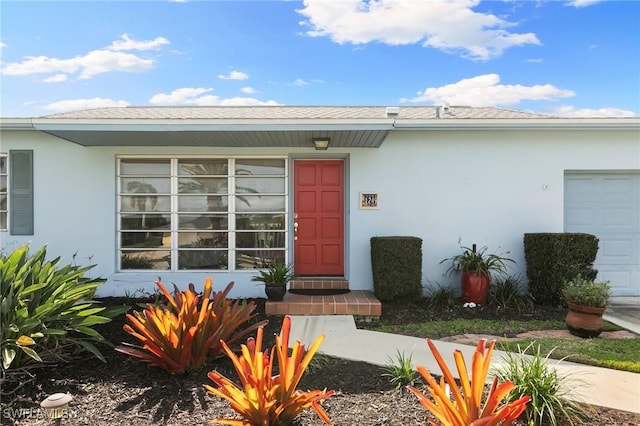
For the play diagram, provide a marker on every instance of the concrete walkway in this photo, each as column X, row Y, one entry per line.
column 599, row 386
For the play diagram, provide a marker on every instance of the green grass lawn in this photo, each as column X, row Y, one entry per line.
column 619, row 354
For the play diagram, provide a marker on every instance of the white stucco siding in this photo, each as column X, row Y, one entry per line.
column 73, row 196
column 485, row 187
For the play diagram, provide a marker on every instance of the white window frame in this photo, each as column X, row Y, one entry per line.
column 174, row 212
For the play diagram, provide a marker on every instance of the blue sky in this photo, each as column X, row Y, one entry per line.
column 571, row 58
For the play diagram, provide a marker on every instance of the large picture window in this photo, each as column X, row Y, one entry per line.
column 201, row 213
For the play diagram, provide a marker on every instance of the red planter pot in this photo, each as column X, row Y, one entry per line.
column 475, row 287
column 584, row 321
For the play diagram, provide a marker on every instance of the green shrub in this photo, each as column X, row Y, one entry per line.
column 509, row 292
column 553, row 258
column 396, row 263
column 548, row 389
column 47, row 309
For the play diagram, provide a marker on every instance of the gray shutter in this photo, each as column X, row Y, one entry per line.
column 21, row 192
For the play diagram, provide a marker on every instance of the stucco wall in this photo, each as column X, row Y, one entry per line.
column 485, row 187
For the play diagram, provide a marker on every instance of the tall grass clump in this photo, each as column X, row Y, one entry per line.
column 440, row 298
column 400, row 371
column 509, row 292
column 549, row 390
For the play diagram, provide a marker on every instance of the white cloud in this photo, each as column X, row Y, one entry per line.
column 248, row 90
column 300, row 82
column 58, row 78
column 450, row 26
column 78, row 104
column 583, row 3
column 126, row 43
column 199, row 97
column 569, row 111
column 234, row 75
column 92, row 63
column 485, row 90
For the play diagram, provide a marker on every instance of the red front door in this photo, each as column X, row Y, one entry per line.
column 318, row 217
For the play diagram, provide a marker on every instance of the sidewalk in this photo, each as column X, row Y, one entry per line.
column 594, row 385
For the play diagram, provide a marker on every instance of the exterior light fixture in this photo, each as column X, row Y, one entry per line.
column 55, row 406
column 321, row 144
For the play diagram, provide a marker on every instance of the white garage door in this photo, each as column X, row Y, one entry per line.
column 607, row 205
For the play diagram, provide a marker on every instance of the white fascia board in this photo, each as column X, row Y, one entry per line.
column 16, row 124
column 521, row 124
column 209, row 125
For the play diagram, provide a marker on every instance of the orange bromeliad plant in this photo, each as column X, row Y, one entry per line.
column 180, row 335
column 265, row 398
column 466, row 408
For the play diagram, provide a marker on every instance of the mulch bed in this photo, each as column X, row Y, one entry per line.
column 125, row 392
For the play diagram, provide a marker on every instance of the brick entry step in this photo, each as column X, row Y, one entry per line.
column 359, row 303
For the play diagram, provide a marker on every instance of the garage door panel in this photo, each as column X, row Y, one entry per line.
column 581, row 189
column 624, row 189
column 579, row 216
column 607, row 205
column 622, row 281
column 616, row 251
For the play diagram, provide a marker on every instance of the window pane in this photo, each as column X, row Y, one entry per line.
column 202, row 239
column 199, row 203
column 203, row 221
column 261, row 203
column 259, row 221
column 255, row 259
column 3, row 184
column 145, row 239
column 203, row 186
column 260, row 166
column 3, row 220
column 145, row 260
column 145, row 203
column 260, row 239
column 144, row 221
column 203, row 167
column 260, row 184
column 3, row 201
column 3, row 164
column 145, row 185
column 202, row 259
column 145, row 167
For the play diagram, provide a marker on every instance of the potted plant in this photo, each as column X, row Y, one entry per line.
column 477, row 267
column 275, row 279
column 587, row 301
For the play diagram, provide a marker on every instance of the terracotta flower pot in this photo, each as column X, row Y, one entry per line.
column 475, row 287
column 584, row 321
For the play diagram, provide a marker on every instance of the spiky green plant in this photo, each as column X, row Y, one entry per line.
column 551, row 402
column 400, row 371
column 47, row 308
column 441, row 298
column 509, row 292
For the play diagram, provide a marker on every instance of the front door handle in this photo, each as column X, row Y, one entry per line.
column 295, row 230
